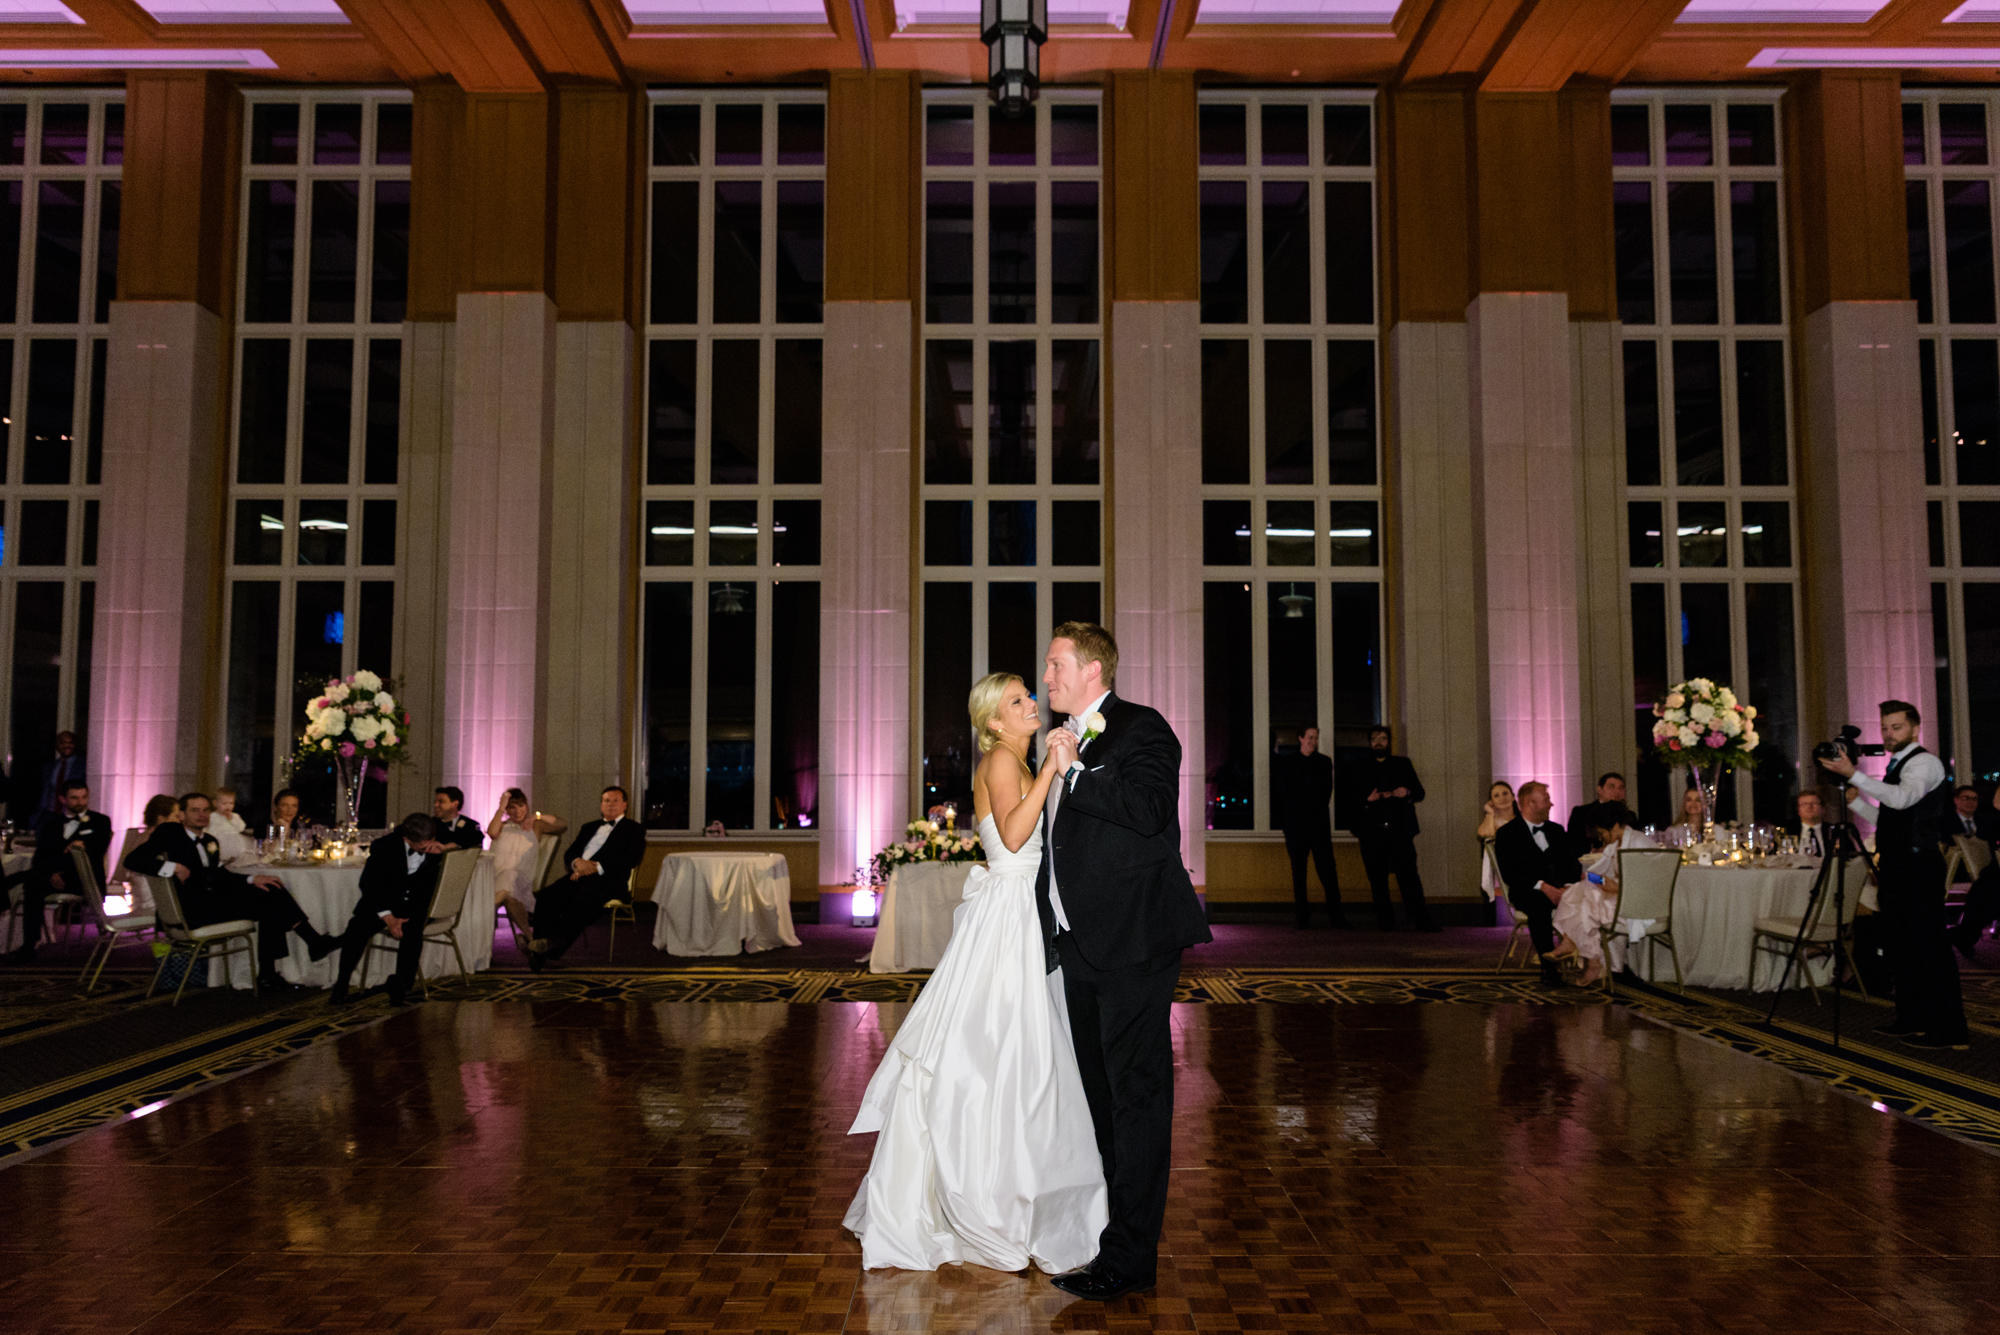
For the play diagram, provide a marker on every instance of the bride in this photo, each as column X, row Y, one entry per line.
column 986, row 1153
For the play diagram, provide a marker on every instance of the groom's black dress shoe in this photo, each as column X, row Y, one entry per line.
column 1100, row 1284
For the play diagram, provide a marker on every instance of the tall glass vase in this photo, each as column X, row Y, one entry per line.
column 348, row 773
column 1706, row 781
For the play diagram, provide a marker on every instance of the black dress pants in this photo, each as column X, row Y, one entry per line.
column 1982, row 907
column 365, row 926
column 1384, row 853
column 1919, row 948
column 274, row 911
column 1125, row 1053
column 1315, row 843
column 563, row 909
column 35, row 892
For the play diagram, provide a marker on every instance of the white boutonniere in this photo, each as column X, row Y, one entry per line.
column 1093, row 726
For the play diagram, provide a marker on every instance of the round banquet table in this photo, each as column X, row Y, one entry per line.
column 328, row 896
column 1715, row 916
column 9, row 864
column 723, row 903
column 914, row 922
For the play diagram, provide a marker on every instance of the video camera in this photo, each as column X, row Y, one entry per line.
column 1847, row 744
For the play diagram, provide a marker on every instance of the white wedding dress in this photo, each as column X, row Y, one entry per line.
column 986, row 1153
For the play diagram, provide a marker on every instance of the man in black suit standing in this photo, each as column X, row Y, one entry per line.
column 1537, row 861
column 1117, row 908
column 1586, row 816
column 601, row 862
column 210, row 892
column 1982, row 901
column 1302, row 791
column 453, row 829
column 1383, row 792
column 74, row 825
column 397, row 884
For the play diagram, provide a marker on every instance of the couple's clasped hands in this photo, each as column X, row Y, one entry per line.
column 1063, row 746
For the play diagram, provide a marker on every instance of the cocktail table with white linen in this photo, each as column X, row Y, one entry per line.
column 723, row 903
column 1715, row 919
column 913, row 926
column 328, row 895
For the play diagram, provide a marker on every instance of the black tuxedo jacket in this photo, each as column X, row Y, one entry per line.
column 1385, row 815
column 1115, row 844
column 203, row 892
column 1985, row 821
column 52, row 850
column 462, row 831
column 1302, row 792
column 1823, row 831
column 621, row 854
column 1524, row 865
column 388, row 885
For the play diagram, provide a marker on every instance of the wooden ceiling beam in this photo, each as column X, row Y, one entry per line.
column 473, row 42
column 1559, row 39
column 116, row 22
column 1459, row 40
column 567, row 39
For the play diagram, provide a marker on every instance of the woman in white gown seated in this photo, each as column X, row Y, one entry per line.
column 1588, row 905
column 986, row 1152
column 514, row 830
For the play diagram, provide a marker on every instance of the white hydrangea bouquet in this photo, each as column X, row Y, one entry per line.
column 1704, row 725
column 923, row 841
column 355, row 718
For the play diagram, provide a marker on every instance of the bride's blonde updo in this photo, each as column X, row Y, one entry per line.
column 984, row 703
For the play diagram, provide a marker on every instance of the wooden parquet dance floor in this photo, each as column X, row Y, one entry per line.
column 682, row 1166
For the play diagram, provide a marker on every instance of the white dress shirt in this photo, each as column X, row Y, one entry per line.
column 1922, row 774
column 1074, row 724
column 1541, row 837
column 597, row 841
column 1812, row 840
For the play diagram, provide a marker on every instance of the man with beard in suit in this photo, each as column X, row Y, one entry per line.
column 1117, row 908
column 1383, row 792
column 210, row 893
column 396, row 887
column 1537, row 859
column 52, row 872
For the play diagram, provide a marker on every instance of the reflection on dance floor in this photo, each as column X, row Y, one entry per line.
column 577, row 1165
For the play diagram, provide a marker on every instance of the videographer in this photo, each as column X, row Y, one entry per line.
column 1908, row 805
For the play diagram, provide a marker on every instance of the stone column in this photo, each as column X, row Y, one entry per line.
column 867, row 570
column 155, row 679
column 1867, row 635
column 1153, row 449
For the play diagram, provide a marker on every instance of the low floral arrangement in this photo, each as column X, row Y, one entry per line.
column 355, row 717
column 925, row 840
column 1701, row 723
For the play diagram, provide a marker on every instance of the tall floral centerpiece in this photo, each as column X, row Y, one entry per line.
column 1704, row 727
column 924, row 840
column 352, row 723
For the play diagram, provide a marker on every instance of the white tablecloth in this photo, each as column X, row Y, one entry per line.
column 723, row 903
column 1715, row 915
column 11, row 863
column 329, row 894
column 913, row 924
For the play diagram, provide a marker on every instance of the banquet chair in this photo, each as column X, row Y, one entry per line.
column 134, row 836
column 234, row 936
column 52, row 913
column 110, row 926
column 1520, row 918
column 441, row 926
column 1646, row 879
column 1824, row 936
column 621, row 911
column 546, row 846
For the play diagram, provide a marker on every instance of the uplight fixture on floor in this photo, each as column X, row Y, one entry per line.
column 862, row 908
column 1013, row 31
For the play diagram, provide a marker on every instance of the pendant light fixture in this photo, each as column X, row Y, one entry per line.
column 1013, row 31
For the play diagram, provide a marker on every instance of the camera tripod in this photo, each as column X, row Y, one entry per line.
column 1843, row 847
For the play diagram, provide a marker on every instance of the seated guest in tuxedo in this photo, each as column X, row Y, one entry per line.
column 453, row 829
column 1815, row 834
column 1964, row 817
column 600, row 862
column 1982, row 901
column 396, row 889
column 52, row 871
column 1538, row 859
column 1589, row 817
column 179, row 845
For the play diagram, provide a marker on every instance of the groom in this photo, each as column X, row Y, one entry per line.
column 1117, row 909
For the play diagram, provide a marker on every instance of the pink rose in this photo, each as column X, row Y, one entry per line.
column 1674, row 745
column 347, row 748
column 369, row 745
column 1714, row 739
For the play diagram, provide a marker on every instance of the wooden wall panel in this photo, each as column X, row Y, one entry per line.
column 1844, row 179
column 183, row 140
column 1520, row 216
column 597, row 174
column 874, row 206
column 507, row 192
column 1426, row 209
column 1584, row 122
column 1152, row 208
column 436, row 201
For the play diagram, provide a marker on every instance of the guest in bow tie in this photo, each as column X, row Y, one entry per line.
column 1538, row 860
column 180, row 845
column 397, row 885
column 600, row 862
column 52, row 872
column 454, row 830
column 1815, row 835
